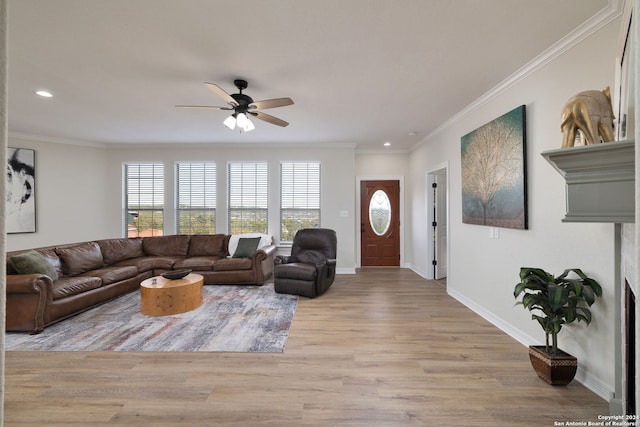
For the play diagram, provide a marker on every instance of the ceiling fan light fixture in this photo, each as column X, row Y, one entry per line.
column 249, row 126
column 243, row 106
column 241, row 120
column 230, row 122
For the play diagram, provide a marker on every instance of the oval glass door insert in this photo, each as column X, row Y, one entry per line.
column 380, row 212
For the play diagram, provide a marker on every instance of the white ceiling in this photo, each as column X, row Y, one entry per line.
column 360, row 72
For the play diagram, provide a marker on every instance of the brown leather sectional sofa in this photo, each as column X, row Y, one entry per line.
column 91, row 273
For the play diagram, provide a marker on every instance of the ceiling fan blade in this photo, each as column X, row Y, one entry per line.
column 221, row 93
column 268, row 118
column 209, row 107
column 271, row 103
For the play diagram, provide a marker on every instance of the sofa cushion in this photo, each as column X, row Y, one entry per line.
column 33, row 262
column 198, row 263
column 69, row 286
column 208, row 245
column 230, row 264
column 116, row 250
column 176, row 245
column 247, row 246
column 110, row 275
column 80, row 258
column 150, row 263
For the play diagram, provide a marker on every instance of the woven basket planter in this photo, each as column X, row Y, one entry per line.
column 555, row 370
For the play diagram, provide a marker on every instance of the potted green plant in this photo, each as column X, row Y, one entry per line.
column 554, row 302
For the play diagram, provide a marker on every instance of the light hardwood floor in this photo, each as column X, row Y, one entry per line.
column 383, row 347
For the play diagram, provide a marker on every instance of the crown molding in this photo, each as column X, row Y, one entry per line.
column 52, row 140
column 175, row 145
column 228, row 145
column 612, row 11
column 381, row 151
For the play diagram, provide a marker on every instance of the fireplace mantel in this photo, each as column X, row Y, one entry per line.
column 600, row 181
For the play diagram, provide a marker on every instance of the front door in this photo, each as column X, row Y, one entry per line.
column 380, row 223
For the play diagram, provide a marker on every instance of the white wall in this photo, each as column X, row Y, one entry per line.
column 71, row 182
column 337, row 191
column 79, row 189
column 381, row 164
column 483, row 271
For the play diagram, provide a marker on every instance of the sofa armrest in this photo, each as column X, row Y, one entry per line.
column 29, row 297
column 263, row 263
column 326, row 274
column 29, row 284
column 264, row 253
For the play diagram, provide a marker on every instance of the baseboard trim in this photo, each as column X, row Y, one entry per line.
column 416, row 270
column 583, row 377
column 344, row 270
column 507, row 328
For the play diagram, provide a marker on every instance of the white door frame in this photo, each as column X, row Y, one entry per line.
column 428, row 207
column 359, row 180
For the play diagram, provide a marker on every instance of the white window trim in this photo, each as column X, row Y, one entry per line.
column 176, row 192
column 228, row 190
column 125, row 193
column 288, row 243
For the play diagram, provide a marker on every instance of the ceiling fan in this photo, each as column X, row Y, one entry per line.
column 243, row 107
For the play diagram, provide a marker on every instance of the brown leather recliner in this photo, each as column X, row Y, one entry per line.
column 311, row 268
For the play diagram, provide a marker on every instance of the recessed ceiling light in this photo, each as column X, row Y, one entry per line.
column 44, row 93
column 387, row 144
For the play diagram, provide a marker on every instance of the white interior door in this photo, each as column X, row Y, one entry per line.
column 439, row 215
column 441, row 227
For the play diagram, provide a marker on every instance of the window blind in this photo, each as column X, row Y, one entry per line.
column 299, row 198
column 195, row 197
column 247, row 197
column 144, row 199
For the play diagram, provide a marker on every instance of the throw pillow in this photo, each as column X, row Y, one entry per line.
column 246, row 247
column 265, row 239
column 33, row 262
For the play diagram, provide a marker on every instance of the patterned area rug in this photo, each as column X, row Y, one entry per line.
column 231, row 318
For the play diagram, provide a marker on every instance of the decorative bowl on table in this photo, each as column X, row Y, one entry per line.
column 175, row 275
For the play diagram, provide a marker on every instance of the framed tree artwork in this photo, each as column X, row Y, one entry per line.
column 20, row 193
column 494, row 187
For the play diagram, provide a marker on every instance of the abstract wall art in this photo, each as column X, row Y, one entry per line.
column 494, row 187
column 20, row 194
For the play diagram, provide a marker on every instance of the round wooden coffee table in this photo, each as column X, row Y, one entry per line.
column 163, row 297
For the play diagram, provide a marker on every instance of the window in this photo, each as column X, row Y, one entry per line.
column 248, row 191
column 144, row 199
column 380, row 212
column 299, row 198
column 195, row 198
